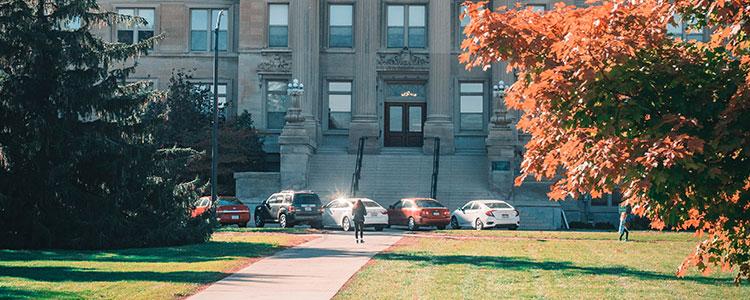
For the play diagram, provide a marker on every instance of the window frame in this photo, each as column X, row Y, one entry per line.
column 406, row 25
column 329, row 26
column 486, row 101
column 228, row 20
column 268, row 24
column 135, row 28
column 223, row 111
column 328, row 94
column 265, row 101
column 685, row 31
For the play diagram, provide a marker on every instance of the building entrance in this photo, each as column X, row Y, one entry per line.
column 404, row 124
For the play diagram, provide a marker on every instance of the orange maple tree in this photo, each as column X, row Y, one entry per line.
column 611, row 100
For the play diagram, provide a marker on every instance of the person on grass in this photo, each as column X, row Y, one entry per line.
column 358, row 216
column 623, row 226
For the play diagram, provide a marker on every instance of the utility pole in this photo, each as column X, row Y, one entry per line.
column 215, row 125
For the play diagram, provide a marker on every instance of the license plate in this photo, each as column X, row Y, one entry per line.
column 435, row 213
column 505, row 216
column 308, row 208
column 235, row 217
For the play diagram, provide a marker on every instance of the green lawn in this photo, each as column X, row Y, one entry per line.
column 150, row 273
column 525, row 264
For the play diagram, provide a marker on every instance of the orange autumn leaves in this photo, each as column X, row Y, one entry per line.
column 603, row 97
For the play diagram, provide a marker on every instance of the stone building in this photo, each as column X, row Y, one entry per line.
column 386, row 71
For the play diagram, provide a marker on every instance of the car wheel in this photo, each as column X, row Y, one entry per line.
column 259, row 221
column 282, row 221
column 378, row 228
column 346, row 225
column 412, row 225
column 478, row 225
column 454, row 223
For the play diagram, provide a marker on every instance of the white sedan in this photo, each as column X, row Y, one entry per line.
column 481, row 214
column 338, row 213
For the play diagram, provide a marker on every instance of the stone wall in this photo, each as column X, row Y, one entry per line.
column 254, row 187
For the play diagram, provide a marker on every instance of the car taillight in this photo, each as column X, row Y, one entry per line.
column 385, row 212
column 424, row 212
column 489, row 213
column 445, row 213
column 516, row 212
column 290, row 208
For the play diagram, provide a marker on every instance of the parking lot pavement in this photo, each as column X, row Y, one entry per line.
column 313, row 270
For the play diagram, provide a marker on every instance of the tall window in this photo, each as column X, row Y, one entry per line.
column 339, row 105
column 222, row 95
column 278, row 25
column 340, row 32
column 277, row 103
column 132, row 33
column 462, row 23
column 407, row 26
column 472, row 105
column 202, row 23
column 684, row 29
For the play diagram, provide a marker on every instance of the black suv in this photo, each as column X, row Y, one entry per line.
column 289, row 208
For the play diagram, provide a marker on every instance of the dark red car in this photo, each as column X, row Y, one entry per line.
column 416, row 212
column 229, row 211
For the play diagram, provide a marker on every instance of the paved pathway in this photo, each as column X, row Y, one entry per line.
column 313, row 270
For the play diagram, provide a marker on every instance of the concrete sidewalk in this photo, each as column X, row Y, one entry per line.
column 313, row 270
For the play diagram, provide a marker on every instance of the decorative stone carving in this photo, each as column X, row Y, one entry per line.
column 275, row 64
column 404, row 59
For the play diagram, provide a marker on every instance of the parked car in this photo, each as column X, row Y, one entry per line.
column 338, row 213
column 229, row 210
column 290, row 208
column 416, row 212
column 481, row 214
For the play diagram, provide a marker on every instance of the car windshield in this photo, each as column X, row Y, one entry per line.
column 306, row 199
column 371, row 204
column 229, row 201
column 496, row 205
column 428, row 203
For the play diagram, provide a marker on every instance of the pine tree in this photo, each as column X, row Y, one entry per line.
column 78, row 168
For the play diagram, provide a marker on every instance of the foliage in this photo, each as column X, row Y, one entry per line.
column 183, row 120
column 611, row 100
column 78, row 167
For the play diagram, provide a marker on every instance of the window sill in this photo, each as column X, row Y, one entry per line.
column 339, row 50
column 275, row 50
column 336, row 132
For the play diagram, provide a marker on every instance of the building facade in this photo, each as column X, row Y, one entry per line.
column 382, row 71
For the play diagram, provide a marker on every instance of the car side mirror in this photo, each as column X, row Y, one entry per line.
column 463, row 210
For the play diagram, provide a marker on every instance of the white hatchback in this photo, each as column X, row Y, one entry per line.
column 338, row 213
column 481, row 214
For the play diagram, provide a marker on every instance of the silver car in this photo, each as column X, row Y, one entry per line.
column 481, row 214
column 338, row 214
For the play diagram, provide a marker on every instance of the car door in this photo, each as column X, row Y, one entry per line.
column 461, row 214
column 263, row 210
column 395, row 215
column 275, row 206
column 328, row 214
column 344, row 209
column 472, row 213
column 407, row 210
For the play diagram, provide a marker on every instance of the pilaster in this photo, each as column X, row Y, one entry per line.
column 439, row 104
column 365, row 117
column 305, row 44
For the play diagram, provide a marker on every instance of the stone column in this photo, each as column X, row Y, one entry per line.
column 365, row 116
column 304, row 38
column 439, row 104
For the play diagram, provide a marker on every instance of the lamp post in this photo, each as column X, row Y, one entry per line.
column 500, row 118
column 294, row 114
column 215, row 125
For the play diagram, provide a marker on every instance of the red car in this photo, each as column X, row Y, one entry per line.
column 416, row 212
column 229, row 211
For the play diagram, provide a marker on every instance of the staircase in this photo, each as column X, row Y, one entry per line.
column 398, row 173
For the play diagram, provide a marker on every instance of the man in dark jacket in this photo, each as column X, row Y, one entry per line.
column 358, row 216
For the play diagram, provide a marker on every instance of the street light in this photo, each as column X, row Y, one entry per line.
column 294, row 114
column 215, row 125
column 500, row 118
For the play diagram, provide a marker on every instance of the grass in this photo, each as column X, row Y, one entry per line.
column 502, row 264
column 146, row 273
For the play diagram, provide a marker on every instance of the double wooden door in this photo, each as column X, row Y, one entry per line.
column 404, row 124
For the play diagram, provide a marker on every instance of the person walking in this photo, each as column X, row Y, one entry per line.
column 623, row 226
column 358, row 216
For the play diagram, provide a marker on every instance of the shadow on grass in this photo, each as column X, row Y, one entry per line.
column 522, row 264
column 208, row 251
column 11, row 293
